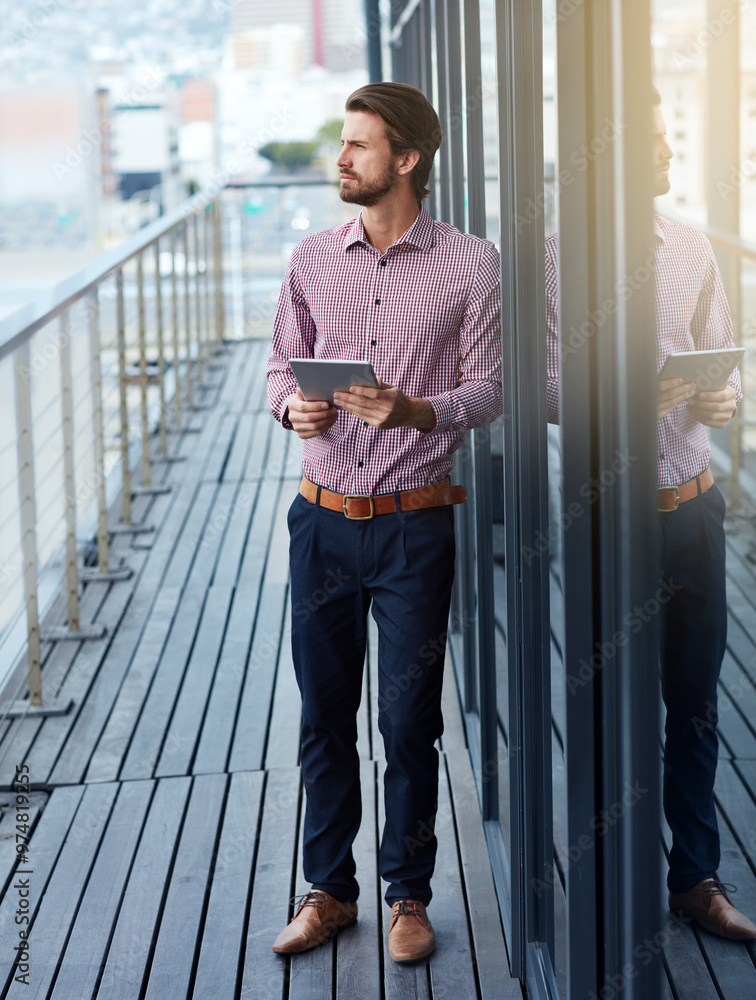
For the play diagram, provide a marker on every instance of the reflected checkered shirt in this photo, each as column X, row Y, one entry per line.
column 426, row 313
column 691, row 314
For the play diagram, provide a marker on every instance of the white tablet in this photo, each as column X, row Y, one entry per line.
column 319, row 378
column 708, row 369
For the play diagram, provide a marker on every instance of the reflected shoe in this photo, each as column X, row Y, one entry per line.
column 318, row 918
column 709, row 905
column 411, row 935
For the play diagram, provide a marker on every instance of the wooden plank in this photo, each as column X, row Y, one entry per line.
column 251, row 729
column 8, row 807
column 260, row 460
column 400, row 982
column 135, row 927
column 186, row 722
column 221, row 448
column 451, row 964
column 311, row 975
column 148, row 737
column 116, row 736
column 454, row 737
column 223, row 704
column 358, row 949
column 258, row 540
column 237, row 459
column 21, row 742
column 282, row 749
column 207, row 543
column 494, row 976
column 264, row 973
column 687, row 968
column 87, row 945
column 223, row 933
column 242, row 522
column 44, row 848
column 181, row 920
column 183, row 556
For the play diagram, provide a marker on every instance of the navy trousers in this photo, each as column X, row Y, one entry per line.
column 401, row 567
column 694, row 634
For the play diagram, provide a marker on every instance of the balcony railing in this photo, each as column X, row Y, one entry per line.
column 86, row 375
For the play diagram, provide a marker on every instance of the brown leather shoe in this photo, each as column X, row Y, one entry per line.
column 318, row 918
column 411, row 936
column 709, row 904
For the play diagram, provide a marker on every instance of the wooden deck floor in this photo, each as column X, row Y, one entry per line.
column 167, row 805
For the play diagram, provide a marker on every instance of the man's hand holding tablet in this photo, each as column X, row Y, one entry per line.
column 353, row 386
column 700, row 377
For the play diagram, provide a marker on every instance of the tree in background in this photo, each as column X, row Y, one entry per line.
column 290, row 156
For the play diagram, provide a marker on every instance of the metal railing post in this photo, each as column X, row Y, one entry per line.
column 197, row 301
column 127, row 526
column 218, row 272
column 73, row 630
column 161, row 350
column 146, row 466
column 124, row 404
column 176, row 347
column 102, row 571
column 28, row 522
column 188, row 315
column 206, row 281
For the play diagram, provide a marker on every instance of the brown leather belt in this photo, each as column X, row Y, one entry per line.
column 362, row 508
column 670, row 497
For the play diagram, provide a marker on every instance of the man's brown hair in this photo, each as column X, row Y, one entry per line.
column 410, row 120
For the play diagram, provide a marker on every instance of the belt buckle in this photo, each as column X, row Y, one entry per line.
column 668, row 510
column 356, row 496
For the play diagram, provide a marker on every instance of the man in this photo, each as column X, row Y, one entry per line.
column 373, row 524
column 691, row 314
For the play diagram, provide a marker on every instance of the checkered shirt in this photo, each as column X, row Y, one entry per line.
column 426, row 313
column 691, row 314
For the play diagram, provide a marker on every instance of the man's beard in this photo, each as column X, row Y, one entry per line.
column 367, row 194
column 661, row 185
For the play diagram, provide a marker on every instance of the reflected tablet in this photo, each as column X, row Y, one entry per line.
column 319, row 378
column 708, row 369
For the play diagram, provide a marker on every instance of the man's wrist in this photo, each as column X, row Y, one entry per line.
column 285, row 422
column 423, row 416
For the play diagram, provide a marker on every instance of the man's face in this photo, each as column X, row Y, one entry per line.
column 662, row 153
column 366, row 164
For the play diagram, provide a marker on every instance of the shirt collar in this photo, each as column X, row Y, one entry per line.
column 659, row 228
column 419, row 235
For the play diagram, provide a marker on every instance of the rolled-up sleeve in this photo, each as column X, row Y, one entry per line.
column 476, row 400
column 293, row 337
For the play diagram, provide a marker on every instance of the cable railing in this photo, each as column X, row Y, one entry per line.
column 88, row 374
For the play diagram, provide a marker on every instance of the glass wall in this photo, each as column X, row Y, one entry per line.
column 548, row 565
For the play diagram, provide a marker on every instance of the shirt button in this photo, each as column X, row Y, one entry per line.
column 377, row 302
column 359, row 465
column 661, row 456
column 382, row 263
column 373, row 343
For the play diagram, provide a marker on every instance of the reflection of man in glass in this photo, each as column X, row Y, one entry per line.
column 691, row 314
